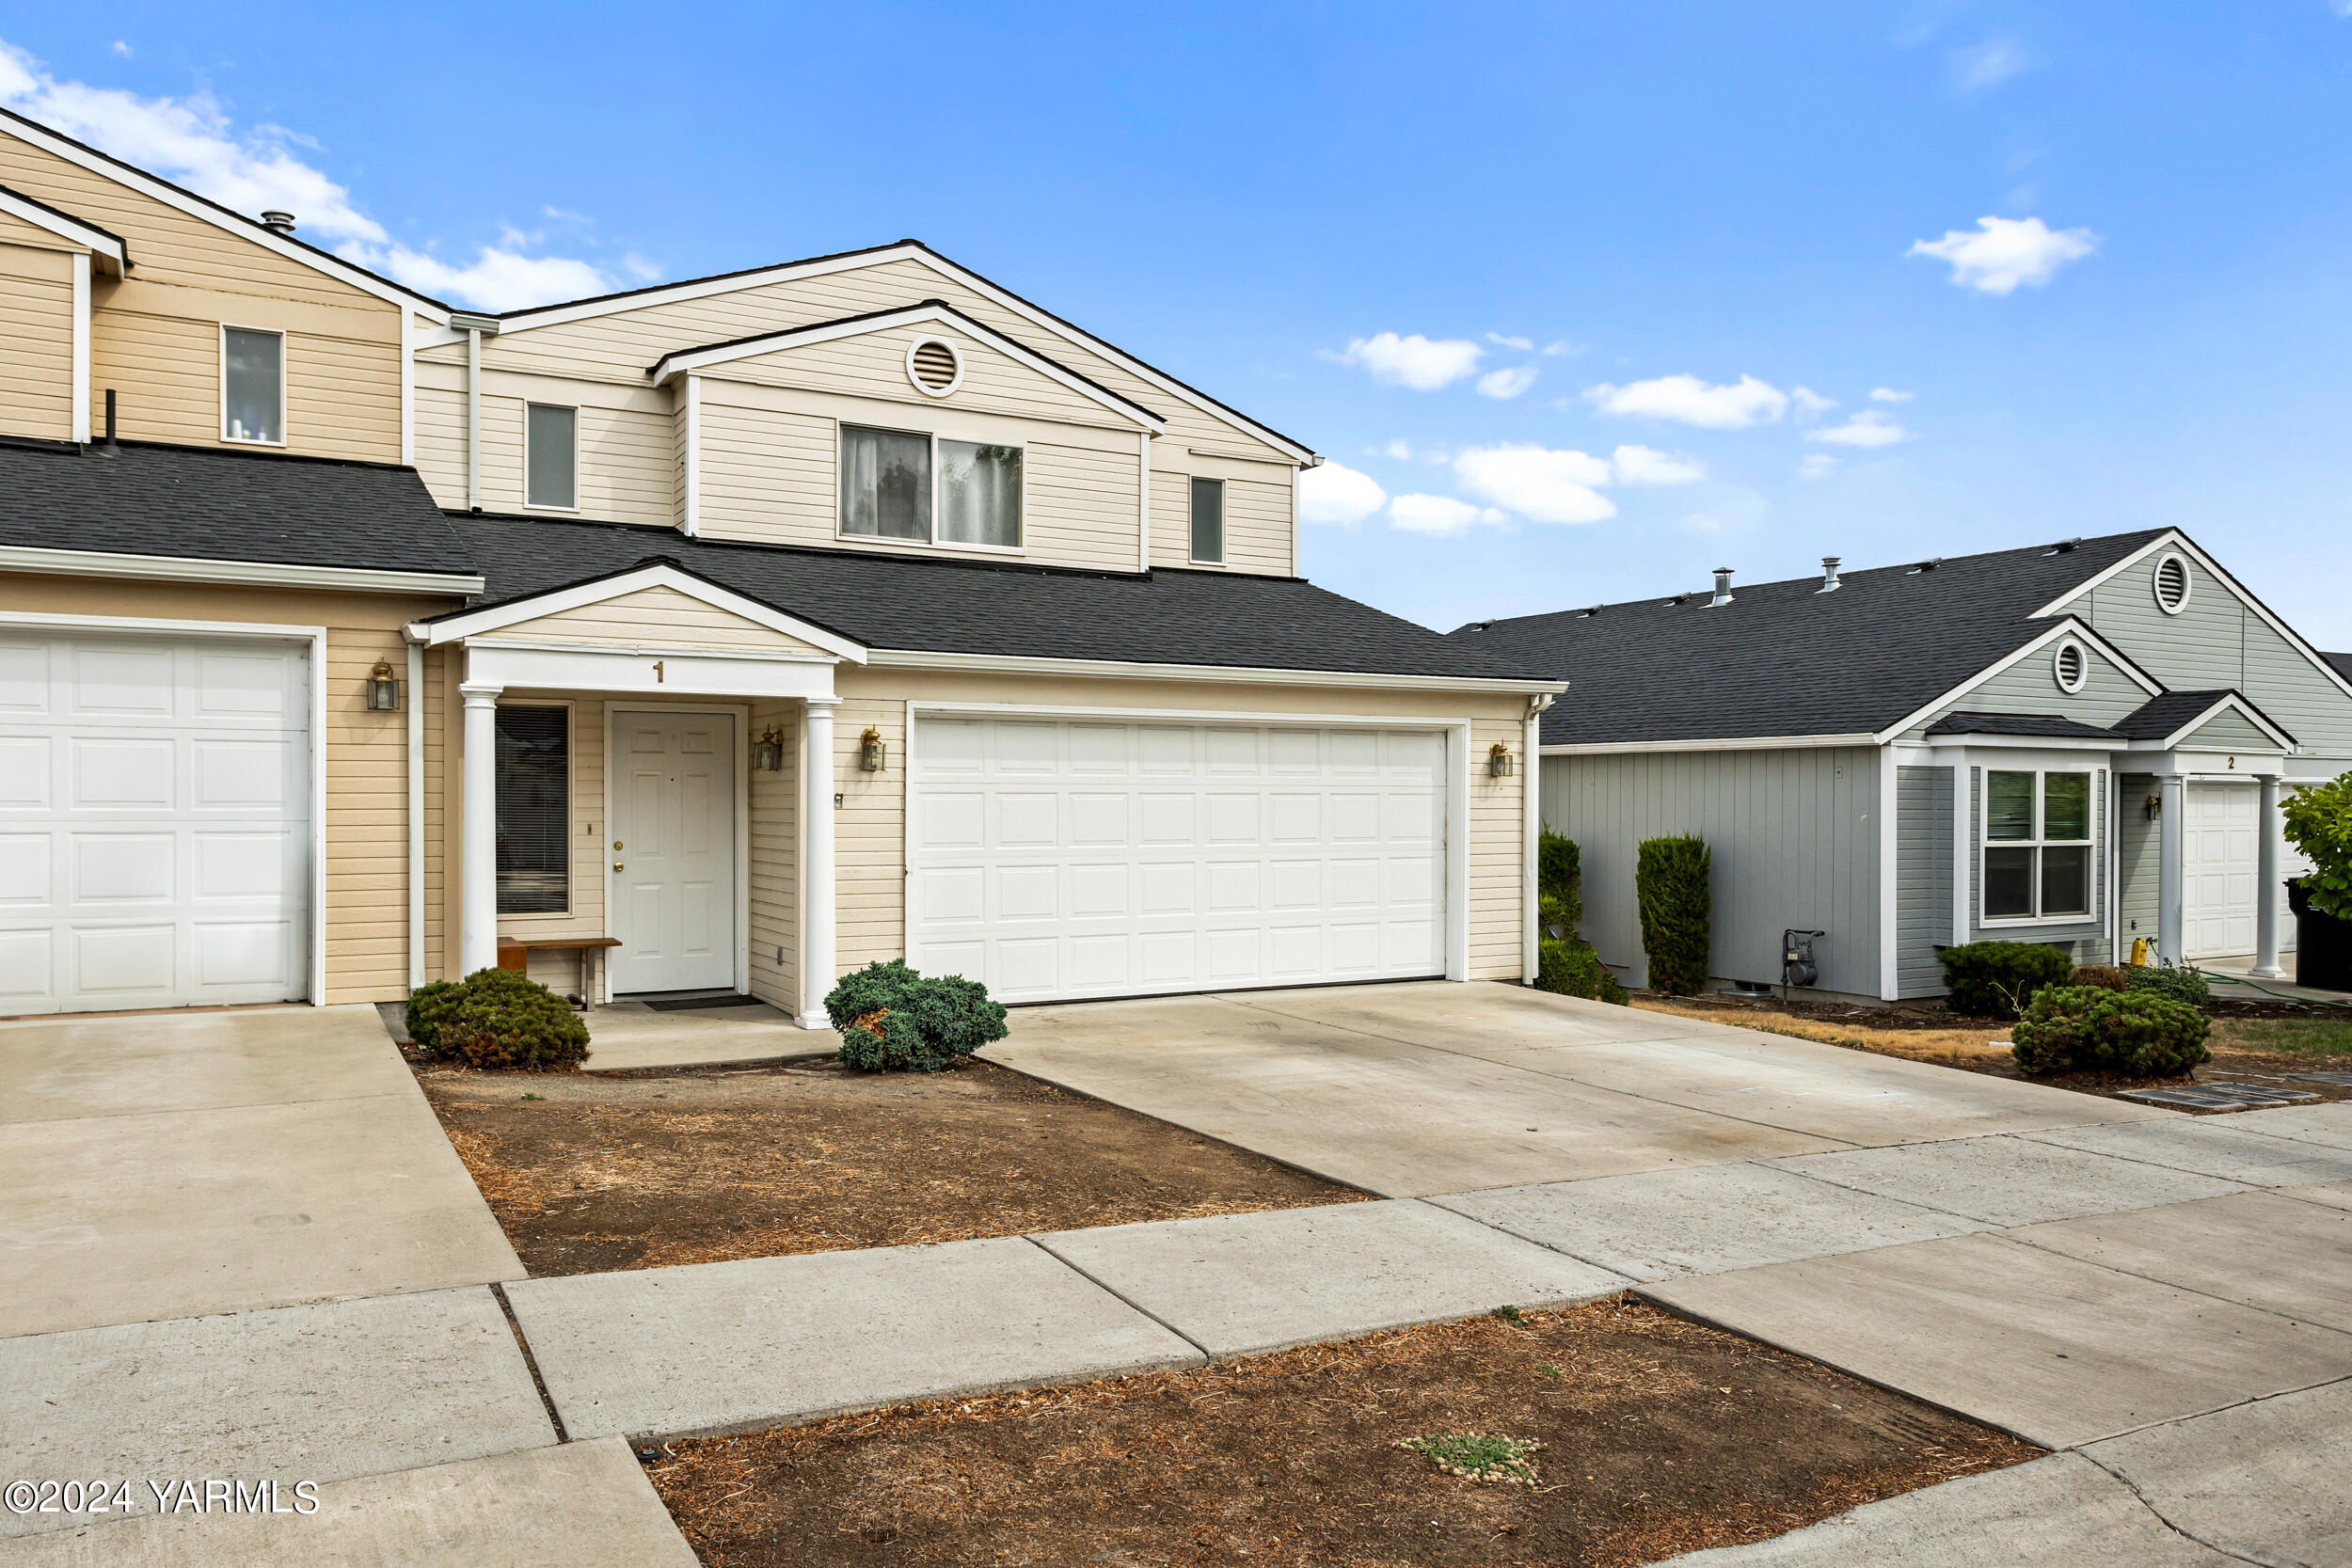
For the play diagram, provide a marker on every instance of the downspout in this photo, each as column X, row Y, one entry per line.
column 1143, row 511
column 416, row 811
column 475, row 328
column 1531, row 833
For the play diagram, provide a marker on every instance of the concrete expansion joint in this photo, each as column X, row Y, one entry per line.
column 523, row 1343
column 2157, row 1513
column 1124, row 1300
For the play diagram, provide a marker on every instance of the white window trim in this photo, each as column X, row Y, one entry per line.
column 571, row 787
column 285, row 375
column 1191, row 534
column 1985, row 841
column 2156, row 580
column 916, row 382
column 933, row 542
column 530, row 505
column 2058, row 665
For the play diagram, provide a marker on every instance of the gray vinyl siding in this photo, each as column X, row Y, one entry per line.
column 2030, row 686
column 1923, row 877
column 2136, row 850
column 1793, row 836
column 2217, row 641
column 2085, row 939
column 2229, row 732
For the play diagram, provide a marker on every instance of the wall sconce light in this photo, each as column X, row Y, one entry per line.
column 1499, row 761
column 871, row 753
column 2154, row 807
column 767, row 752
column 383, row 689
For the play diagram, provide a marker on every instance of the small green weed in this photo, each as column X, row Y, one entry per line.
column 534, row 1097
column 1551, row 1373
column 1473, row 1456
column 1509, row 1314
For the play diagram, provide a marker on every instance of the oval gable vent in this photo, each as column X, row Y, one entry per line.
column 932, row 366
column 2069, row 667
column 2173, row 584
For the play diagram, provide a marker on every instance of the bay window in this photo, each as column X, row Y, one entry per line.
column 898, row 484
column 2037, row 845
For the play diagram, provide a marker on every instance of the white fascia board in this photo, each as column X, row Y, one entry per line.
column 776, row 343
column 475, row 623
column 173, row 568
column 2173, row 539
column 554, row 315
column 1983, row 738
column 2069, row 627
column 710, row 672
column 2228, row 703
column 97, row 241
column 221, row 217
column 1731, row 743
column 1009, row 664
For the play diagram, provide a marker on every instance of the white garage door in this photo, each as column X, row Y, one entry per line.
column 2217, row 849
column 155, row 821
column 1083, row 858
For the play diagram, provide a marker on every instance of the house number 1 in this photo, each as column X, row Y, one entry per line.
column 658, row 676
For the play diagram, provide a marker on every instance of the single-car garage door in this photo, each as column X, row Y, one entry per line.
column 2220, row 869
column 155, row 821
column 1072, row 857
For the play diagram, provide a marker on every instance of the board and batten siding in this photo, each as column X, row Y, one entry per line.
column 37, row 341
column 1793, row 834
column 2030, row 687
column 1923, row 881
column 2086, row 941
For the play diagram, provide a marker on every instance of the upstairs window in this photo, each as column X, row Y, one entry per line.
column 534, row 809
column 550, row 456
column 899, row 484
column 1208, row 521
column 2037, row 845
column 252, row 386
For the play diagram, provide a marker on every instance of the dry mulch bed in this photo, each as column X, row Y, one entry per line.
column 588, row 1172
column 1659, row 1435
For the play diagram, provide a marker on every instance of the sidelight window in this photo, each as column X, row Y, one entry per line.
column 534, row 809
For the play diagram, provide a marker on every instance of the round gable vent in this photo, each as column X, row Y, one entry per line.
column 2173, row 584
column 934, row 367
column 2070, row 667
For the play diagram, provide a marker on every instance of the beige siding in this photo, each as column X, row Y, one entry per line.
column 767, row 473
column 1257, row 532
column 656, row 616
column 874, row 365
column 36, row 342
column 775, row 860
column 1497, row 830
column 627, row 448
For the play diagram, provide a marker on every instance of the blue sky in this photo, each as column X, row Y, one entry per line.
column 1690, row 241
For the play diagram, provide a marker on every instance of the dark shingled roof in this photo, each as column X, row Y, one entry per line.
column 2342, row 663
column 1786, row 659
column 2165, row 713
column 191, row 501
column 941, row 605
column 2045, row 725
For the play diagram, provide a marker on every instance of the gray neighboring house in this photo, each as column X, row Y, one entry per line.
column 2081, row 743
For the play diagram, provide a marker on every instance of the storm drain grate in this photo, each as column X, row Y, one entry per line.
column 2220, row 1096
column 2341, row 1079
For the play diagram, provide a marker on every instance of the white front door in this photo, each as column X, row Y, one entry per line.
column 1077, row 858
column 155, row 821
column 673, row 850
column 2218, row 871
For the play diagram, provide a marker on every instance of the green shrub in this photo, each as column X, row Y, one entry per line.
column 2174, row 981
column 2091, row 1029
column 496, row 1018
column 1998, row 979
column 1559, row 882
column 1571, row 968
column 2318, row 822
column 1670, row 884
column 893, row 1020
column 2105, row 977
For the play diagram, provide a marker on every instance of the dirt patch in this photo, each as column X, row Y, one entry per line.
column 589, row 1173
column 1656, row 1436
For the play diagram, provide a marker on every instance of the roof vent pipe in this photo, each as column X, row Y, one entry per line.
column 1828, row 576
column 1722, row 588
column 278, row 223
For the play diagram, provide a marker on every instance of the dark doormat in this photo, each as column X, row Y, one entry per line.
column 696, row 1004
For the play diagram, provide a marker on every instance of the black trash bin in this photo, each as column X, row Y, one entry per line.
column 2323, row 943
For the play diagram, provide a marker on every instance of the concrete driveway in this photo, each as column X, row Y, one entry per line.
column 1426, row 1088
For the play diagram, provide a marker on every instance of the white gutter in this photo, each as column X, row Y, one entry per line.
column 1121, row 669
column 1531, row 832
column 177, row 568
column 1736, row 743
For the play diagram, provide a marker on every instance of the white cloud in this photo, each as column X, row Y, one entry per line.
column 1815, row 465
column 1438, row 515
column 1538, row 482
column 1867, row 429
column 1810, row 403
column 1523, row 344
column 123, row 49
column 1648, row 466
column 1690, row 401
column 1401, row 451
column 1564, row 346
column 1888, row 394
column 1506, row 383
column 2342, row 7
column 1988, row 64
column 1422, row 363
column 1337, row 493
column 192, row 141
column 2005, row 252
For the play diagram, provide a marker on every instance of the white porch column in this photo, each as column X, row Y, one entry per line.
column 478, row 886
column 2267, row 892
column 816, row 895
column 2172, row 829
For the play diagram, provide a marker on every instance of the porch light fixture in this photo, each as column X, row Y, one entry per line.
column 767, row 752
column 872, row 755
column 2154, row 807
column 383, row 689
column 1499, row 761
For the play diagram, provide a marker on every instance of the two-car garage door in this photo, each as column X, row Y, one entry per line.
column 1074, row 858
column 155, row 821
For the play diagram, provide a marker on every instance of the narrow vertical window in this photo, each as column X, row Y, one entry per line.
column 533, row 809
column 550, row 456
column 1208, row 520
column 252, row 385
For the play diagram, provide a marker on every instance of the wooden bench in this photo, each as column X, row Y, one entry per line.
column 515, row 953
